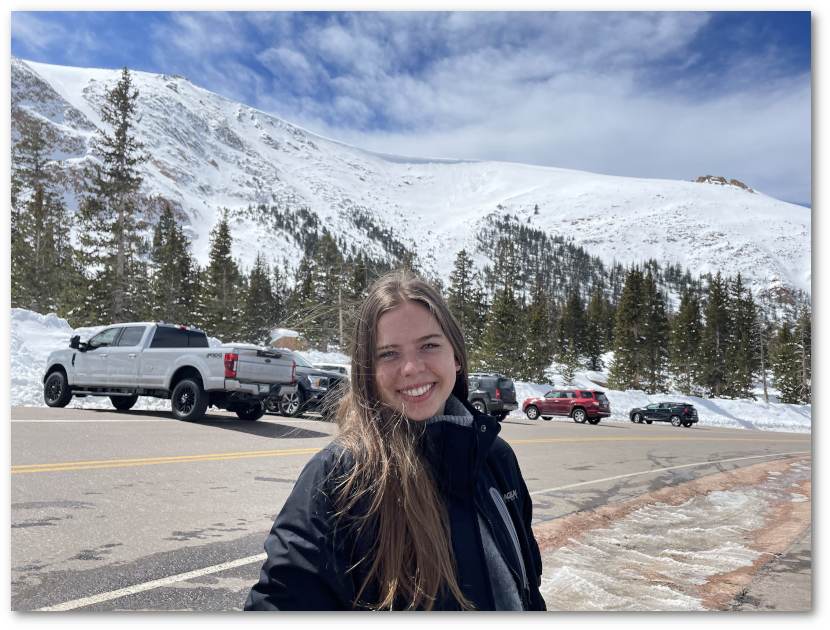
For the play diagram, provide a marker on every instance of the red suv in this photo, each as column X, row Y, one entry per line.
column 579, row 404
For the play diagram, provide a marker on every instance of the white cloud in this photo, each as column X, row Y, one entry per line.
column 561, row 89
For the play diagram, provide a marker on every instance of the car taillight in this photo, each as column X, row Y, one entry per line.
column 293, row 369
column 498, row 393
column 687, row 411
column 230, row 364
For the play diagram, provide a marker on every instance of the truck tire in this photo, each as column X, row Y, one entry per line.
column 124, row 403
column 501, row 415
column 250, row 411
column 56, row 392
column 189, row 400
column 579, row 416
column 532, row 412
column 479, row 406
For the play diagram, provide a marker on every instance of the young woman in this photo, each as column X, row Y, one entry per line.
column 417, row 504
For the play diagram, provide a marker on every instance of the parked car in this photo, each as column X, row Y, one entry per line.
column 317, row 390
column 125, row 361
column 579, row 404
column 492, row 393
column 675, row 412
column 342, row 368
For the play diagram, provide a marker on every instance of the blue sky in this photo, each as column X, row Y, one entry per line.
column 657, row 95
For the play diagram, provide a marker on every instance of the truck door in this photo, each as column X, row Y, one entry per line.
column 548, row 403
column 122, row 362
column 91, row 366
column 567, row 401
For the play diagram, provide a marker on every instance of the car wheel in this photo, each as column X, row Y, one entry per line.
column 56, row 392
column 292, row 404
column 250, row 411
column 501, row 415
column 548, row 418
column 579, row 416
column 594, row 420
column 675, row 421
column 479, row 406
column 189, row 400
column 687, row 424
column 124, row 403
column 637, row 418
column 648, row 421
column 532, row 412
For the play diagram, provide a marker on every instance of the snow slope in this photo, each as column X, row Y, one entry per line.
column 34, row 336
column 207, row 153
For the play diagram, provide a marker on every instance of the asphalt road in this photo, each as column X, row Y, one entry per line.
column 121, row 504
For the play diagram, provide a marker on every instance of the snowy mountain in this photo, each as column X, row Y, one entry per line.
column 208, row 152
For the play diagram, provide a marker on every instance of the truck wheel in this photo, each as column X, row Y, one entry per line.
column 579, row 416
column 594, row 420
column 249, row 411
column 532, row 412
column 56, row 392
column 479, row 406
column 189, row 401
column 123, row 403
column 292, row 404
column 675, row 421
column 501, row 415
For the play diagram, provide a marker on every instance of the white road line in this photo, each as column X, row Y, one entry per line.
column 138, row 588
column 647, row 472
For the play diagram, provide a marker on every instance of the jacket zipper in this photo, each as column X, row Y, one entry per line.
column 513, row 536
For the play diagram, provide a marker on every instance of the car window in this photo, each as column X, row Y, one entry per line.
column 601, row 396
column 552, row 394
column 488, row 383
column 169, row 337
column 103, row 339
column 585, row 394
column 653, row 406
column 568, row 395
column 505, row 383
column 132, row 335
column 473, row 383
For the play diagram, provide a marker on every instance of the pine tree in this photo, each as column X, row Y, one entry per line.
column 803, row 341
column 43, row 261
column 173, row 269
column 684, row 344
column 540, row 349
column 571, row 325
column 595, row 329
column 741, row 361
column 786, row 366
column 627, row 367
column 655, row 341
column 258, row 308
column 108, row 235
column 460, row 295
column 567, row 363
column 715, row 338
column 223, row 285
column 503, row 342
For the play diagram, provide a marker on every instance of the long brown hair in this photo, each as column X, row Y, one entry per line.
column 411, row 559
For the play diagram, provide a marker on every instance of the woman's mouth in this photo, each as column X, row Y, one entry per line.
column 417, row 393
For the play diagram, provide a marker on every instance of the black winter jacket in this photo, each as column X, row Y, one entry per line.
column 307, row 562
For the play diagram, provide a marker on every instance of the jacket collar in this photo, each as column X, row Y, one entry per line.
column 457, row 453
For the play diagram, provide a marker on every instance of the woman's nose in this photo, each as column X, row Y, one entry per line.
column 412, row 365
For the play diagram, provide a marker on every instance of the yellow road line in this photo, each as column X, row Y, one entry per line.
column 637, row 439
column 118, row 463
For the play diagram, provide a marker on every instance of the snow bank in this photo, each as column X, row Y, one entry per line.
column 716, row 412
column 34, row 336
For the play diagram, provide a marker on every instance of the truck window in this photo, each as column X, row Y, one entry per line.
column 103, row 339
column 132, row 335
column 505, row 383
column 197, row 339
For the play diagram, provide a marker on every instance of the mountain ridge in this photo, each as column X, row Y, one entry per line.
column 208, row 152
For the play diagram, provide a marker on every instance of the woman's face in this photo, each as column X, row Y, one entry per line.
column 414, row 362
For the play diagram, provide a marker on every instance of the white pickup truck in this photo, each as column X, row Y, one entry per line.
column 125, row 361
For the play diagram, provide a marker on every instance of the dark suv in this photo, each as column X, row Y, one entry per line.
column 579, row 404
column 492, row 393
column 316, row 389
column 674, row 412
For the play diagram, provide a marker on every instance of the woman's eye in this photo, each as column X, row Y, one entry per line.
column 387, row 355
column 429, row 346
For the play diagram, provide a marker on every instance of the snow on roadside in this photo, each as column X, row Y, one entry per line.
column 34, row 336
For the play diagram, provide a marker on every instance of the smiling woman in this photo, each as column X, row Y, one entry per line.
column 418, row 504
